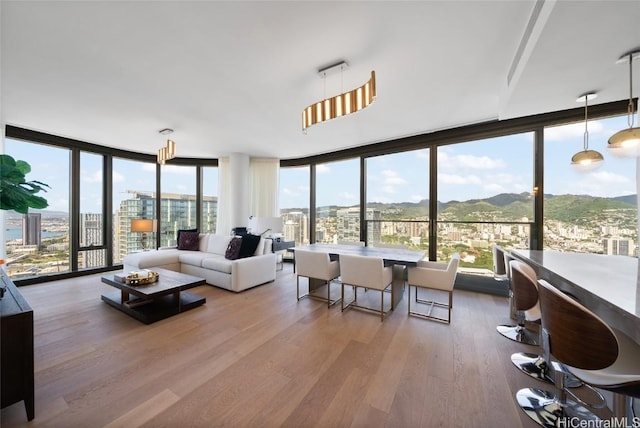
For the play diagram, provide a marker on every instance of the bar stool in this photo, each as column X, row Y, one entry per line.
column 525, row 297
column 526, row 290
column 592, row 351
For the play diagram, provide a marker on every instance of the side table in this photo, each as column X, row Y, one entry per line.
column 282, row 247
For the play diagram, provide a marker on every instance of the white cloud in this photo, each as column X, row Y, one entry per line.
column 388, row 189
column 392, row 177
column 175, row 169
column 417, row 198
column 117, row 177
column 572, row 131
column 322, row 169
column 458, row 179
column 92, row 177
column 347, row 196
column 457, row 162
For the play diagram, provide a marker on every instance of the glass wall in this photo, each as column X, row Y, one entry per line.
column 338, row 201
column 209, row 199
column 177, row 202
column 38, row 243
column 398, row 200
column 590, row 212
column 134, row 197
column 91, row 212
column 485, row 197
column 294, row 204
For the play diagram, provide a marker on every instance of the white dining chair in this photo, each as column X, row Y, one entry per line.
column 316, row 265
column 435, row 276
column 369, row 273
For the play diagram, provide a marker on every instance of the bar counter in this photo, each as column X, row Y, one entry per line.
column 608, row 285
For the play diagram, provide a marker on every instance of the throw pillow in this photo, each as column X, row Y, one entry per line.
column 249, row 244
column 233, row 249
column 189, row 241
column 184, row 230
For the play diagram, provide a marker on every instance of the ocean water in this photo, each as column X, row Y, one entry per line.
column 12, row 233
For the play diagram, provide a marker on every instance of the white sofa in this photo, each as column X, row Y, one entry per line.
column 210, row 263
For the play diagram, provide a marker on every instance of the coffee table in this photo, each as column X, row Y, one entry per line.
column 159, row 300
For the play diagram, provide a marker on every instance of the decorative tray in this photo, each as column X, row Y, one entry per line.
column 141, row 277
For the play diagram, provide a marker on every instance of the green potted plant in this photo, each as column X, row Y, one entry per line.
column 16, row 193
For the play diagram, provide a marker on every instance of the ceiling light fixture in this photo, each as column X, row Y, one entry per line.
column 626, row 143
column 340, row 105
column 586, row 160
column 169, row 150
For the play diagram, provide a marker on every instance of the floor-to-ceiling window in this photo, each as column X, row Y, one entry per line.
column 485, row 197
column 397, row 191
column 92, row 252
column 177, row 202
column 209, row 199
column 294, row 204
column 338, row 201
column 589, row 211
column 37, row 243
column 134, row 197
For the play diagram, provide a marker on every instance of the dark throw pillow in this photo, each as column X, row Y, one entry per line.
column 184, row 230
column 249, row 244
column 189, row 241
column 233, row 249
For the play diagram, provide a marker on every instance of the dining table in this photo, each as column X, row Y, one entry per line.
column 398, row 258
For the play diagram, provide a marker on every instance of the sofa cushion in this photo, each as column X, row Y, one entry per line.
column 219, row 264
column 218, row 244
column 193, row 258
column 233, row 249
column 249, row 245
column 189, row 241
column 147, row 259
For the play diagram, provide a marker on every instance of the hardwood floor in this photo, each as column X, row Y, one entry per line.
column 262, row 359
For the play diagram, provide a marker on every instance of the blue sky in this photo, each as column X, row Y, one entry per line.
column 471, row 170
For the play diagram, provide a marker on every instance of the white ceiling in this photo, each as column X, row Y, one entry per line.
column 235, row 76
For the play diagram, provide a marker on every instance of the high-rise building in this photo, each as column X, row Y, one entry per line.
column 91, row 234
column 32, row 229
column 618, row 247
column 178, row 212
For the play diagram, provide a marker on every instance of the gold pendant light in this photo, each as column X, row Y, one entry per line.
column 586, row 160
column 626, row 143
column 340, row 105
column 169, row 150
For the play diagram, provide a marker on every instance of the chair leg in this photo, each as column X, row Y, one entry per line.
column 381, row 305
column 298, row 287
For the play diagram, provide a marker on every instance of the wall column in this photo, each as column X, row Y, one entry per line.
column 239, row 186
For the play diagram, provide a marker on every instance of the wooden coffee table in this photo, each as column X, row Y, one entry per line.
column 152, row 302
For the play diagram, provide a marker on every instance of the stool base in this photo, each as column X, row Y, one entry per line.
column 545, row 409
column 519, row 334
column 536, row 367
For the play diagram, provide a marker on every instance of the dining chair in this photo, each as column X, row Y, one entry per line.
column 434, row 276
column 592, row 351
column 369, row 273
column 316, row 265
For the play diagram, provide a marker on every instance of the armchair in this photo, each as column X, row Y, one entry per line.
column 434, row 276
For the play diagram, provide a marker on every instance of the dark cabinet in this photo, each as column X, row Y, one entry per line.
column 16, row 348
